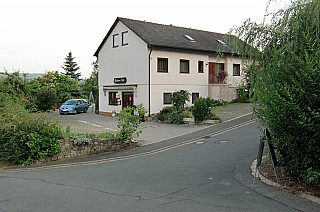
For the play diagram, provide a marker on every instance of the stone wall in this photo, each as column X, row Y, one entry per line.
column 71, row 149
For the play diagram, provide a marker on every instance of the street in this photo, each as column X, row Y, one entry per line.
column 209, row 174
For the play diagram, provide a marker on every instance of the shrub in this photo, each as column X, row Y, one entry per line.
column 179, row 99
column 164, row 114
column 214, row 103
column 176, row 117
column 201, row 110
column 25, row 138
column 45, row 100
column 128, row 124
column 187, row 113
column 242, row 95
column 141, row 110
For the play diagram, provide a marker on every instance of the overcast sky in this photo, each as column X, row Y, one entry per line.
column 36, row 35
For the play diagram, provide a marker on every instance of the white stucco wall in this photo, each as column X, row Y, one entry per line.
column 130, row 61
column 172, row 81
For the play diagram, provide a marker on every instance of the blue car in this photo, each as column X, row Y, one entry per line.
column 74, row 106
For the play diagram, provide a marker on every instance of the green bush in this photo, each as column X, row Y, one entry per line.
column 128, row 124
column 176, row 117
column 164, row 114
column 187, row 113
column 45, row 100
column 214, row 103
column 25, row 138
column 312, row 176
column 201, row 110
column 242, row 95
column 179, row 99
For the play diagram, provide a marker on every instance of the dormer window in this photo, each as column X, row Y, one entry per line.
column 221, row 42
column 190, row 38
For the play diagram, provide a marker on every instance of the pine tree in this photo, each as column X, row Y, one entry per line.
column 71, row 67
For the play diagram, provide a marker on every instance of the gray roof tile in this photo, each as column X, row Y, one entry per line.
column 168, row 36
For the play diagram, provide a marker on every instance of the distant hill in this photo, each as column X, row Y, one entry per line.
column 29, row 76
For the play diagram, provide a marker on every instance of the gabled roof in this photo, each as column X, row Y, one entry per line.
column 173, row 37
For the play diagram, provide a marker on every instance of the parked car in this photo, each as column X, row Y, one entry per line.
column 74, row 106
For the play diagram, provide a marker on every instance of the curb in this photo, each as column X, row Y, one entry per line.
column 257, row 174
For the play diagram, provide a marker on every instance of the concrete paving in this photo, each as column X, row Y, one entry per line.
column 152, row 131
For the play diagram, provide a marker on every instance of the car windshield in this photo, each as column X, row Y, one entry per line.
column 70, row 102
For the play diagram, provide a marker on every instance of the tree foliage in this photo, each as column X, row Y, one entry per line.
column 179, row 99
column 71, row 67
column 128, row 124
column 25, row 137
column 285, row 79
column 91, row 84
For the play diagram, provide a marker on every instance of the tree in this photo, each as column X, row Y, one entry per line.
column 285, row 78
column 12, row 84
column 71, row 67
column 91, row 84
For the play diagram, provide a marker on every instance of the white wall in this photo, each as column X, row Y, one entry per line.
column 234, row 81
column 194, row 82
column 130, row 61
column 172, row 81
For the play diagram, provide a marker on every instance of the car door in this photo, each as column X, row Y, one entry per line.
column 79, row 106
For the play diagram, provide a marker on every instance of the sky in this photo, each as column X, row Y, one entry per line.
column 36, row 35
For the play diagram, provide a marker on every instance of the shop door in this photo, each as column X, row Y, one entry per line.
column 127, row 99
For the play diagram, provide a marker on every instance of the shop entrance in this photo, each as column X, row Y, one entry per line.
column 127, row 99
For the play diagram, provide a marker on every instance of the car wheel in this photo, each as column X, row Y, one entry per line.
column 85, row 110
column 75, row 112
column 61, row 113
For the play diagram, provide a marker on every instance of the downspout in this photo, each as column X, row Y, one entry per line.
column 150, row 80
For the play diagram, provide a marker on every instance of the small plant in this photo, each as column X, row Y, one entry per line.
column 106, row 135
column 81, row 141
column 187, row 113
column 312, row 177
column 141, row 110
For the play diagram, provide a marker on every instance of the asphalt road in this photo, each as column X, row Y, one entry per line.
column 208, row 174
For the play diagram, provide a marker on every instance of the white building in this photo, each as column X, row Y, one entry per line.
column 143, row 62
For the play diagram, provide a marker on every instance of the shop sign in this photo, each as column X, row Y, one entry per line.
column 120, row 80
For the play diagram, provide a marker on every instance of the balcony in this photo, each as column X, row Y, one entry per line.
column 220, row 78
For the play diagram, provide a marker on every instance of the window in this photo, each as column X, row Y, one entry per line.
column 184, row 66
column 221, row 42
column 219, row 67
column 124, row 43
column 167, row 98
column 236, row 69
column 113, row 98
column 189, row 38
column 195, row 96
column 200, row 66
column 163, row 65
column 115, row 40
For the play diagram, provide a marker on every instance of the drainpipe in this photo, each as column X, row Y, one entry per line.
column 150, row 80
